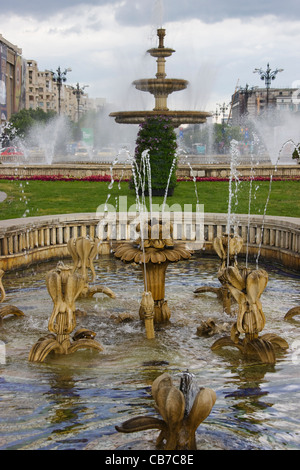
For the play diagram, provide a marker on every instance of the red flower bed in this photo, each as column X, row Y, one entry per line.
column 107, row 178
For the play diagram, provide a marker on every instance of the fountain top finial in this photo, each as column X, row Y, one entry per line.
column 161, row 34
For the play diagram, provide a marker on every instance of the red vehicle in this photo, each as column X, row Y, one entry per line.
column 11, row 151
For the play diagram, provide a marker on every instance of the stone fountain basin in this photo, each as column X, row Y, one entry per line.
column 178, row 117
column 163, row 85
column 74, row 402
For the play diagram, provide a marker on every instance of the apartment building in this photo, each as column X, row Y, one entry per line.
column 254, row 101
column 42, row 92
column 12, row 79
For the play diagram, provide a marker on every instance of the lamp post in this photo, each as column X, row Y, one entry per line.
column 246, row 92
column 217, row 114
column 78, row 92
column 223, row 108
column 59, row 77
column 267, row 75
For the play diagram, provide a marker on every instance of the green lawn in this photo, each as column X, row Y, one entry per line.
column 34, row 198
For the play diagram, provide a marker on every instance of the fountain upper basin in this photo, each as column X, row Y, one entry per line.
column 160, row 85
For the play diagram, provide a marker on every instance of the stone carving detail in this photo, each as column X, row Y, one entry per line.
column 227, row 248
column 154, row 251
column 83, row 251
column 292, row 313
column 247, row 286
column 64, row 287
column 2, row 290
column 182, row 411
column 147, row 306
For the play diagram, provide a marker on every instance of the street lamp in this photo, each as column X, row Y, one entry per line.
column 78, row 92
column 223, row 108
column 246, row 92
column 217, row 114
column 59, row 77
column 267, row 75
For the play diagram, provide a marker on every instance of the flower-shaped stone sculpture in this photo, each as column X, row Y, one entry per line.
column 64, row 288
column 83, row 251
column 8, row 309
column 247, row 286
column 154, row 250
column 227, row 248
column 181, row 413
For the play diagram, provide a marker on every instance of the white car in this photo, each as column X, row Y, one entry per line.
column 82, row 153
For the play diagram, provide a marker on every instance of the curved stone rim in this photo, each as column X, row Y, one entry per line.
column 178, row 117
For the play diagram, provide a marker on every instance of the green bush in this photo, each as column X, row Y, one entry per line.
column 296, row 153
column 158, row 137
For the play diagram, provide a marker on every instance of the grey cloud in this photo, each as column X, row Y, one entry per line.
column 141, row 12
column 40, row 8
column 209, row 11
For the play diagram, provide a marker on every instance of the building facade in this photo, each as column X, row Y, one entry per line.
column 255, row 101
column 42, row 92
column 12, row 79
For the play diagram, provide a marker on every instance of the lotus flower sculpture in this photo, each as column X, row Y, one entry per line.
column 154, row 250
column 247, row 286
column 8, row 309
column 83, row 251
column 227, row 248
column 181, row 411
column 64, row 288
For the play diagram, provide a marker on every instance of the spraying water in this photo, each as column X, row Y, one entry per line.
column 234, row 153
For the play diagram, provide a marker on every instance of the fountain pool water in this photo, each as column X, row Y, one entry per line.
column 75, row 402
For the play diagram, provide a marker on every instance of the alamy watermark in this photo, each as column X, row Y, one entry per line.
column 120, row 222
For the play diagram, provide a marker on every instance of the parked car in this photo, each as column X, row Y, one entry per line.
column 11, row 155
column 81, row 152
column 11, row 151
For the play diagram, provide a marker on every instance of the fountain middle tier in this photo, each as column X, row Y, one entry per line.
column 178, row 117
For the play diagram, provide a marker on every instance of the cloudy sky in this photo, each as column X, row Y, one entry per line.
column 218, row 44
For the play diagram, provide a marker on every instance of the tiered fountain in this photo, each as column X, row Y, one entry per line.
column 161, row 87
column 74, row 407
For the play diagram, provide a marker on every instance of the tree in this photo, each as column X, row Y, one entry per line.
column 20, row 123
column 158, row 137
